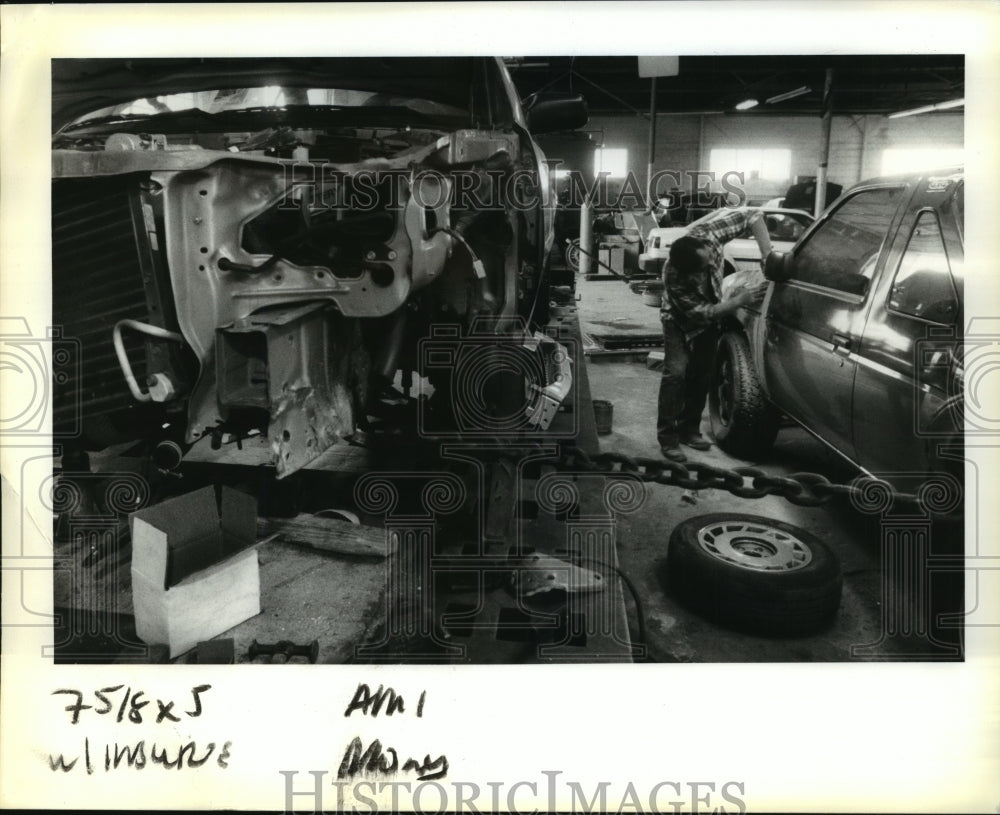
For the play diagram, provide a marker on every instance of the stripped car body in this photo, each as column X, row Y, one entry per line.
column 286, row 259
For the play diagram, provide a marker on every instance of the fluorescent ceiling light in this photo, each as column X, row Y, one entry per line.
column 746, row 104
column 953, row 103
column 781, row 97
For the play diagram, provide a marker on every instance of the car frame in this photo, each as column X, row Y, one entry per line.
column 254, row 292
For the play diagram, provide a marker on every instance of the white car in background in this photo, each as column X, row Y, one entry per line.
column 784, row 226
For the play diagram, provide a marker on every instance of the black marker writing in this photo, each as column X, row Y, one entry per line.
column 165, row 712
column 371, row 703
column 359, row 760
column 104, row 699
column 59, row 763
column 75, row 709
column 196, row 692
column 135, row 756
column 139, row 755
column 130, row 705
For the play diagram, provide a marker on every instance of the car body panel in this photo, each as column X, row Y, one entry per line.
column 810, row 342
column 902, row 391
column 806, row 330
column 881, row 387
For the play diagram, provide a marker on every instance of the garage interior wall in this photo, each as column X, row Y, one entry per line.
column 684, row 142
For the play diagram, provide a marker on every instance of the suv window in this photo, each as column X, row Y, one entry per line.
column 782, row 227
column 841, row 253
column 923, row 286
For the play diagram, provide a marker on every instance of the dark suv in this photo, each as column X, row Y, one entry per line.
column 859, row 339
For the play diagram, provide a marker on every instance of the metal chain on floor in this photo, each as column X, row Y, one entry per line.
column 803, row 489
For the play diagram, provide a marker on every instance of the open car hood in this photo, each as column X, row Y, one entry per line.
column 80, row 86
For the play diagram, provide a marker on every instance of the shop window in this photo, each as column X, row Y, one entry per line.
column 916, row 159
column 611, row 160
column 756, row 164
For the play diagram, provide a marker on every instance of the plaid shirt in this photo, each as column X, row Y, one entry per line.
column 688, row 300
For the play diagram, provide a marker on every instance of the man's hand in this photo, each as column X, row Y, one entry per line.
column 745, row 298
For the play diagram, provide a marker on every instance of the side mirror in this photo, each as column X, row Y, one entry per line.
column 856, row 284
column 548, row 113
column 779, row 266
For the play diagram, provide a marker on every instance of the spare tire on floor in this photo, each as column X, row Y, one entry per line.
column 754, row 574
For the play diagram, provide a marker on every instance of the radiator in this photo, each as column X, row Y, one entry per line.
column 96, row 281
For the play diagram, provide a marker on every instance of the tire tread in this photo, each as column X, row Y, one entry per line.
column 754, row 424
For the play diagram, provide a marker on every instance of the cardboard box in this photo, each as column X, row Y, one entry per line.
column 194, row 567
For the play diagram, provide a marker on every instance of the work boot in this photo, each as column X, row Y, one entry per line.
column 673, row 454
column 696, row 441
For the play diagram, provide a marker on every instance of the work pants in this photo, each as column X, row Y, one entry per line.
column 687, row 371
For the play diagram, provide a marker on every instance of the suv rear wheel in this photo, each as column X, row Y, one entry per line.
column 744, row 423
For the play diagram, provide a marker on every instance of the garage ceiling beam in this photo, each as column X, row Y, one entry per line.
column 618, row 99
column 866, row 84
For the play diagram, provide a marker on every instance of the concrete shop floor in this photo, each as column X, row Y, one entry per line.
column 676, row 634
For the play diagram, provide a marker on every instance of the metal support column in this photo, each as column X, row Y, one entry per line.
column 864, row 149
column 824, row 158
column 587, row 235
column 701, row 142
column 650, row 192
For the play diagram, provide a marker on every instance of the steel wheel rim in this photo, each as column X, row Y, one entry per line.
column 755, row 546
column 573, row 255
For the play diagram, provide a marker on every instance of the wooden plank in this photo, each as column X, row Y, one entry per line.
column 328, row 535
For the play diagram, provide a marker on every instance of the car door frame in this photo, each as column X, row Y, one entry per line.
column 929, row 388
column 781, row 331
